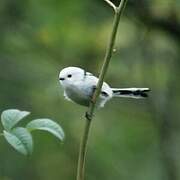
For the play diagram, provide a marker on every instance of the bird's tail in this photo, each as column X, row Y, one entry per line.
column 131, row 92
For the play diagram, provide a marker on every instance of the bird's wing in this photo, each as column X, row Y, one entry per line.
column 92, row 81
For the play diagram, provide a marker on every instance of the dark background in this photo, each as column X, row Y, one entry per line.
column 130, row 139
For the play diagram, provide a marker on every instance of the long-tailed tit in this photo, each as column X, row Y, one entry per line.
column 80, row 85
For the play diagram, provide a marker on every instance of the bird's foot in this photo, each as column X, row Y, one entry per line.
column 88, row 116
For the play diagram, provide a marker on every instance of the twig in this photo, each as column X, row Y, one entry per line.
column 111, row 4
column 90, row 112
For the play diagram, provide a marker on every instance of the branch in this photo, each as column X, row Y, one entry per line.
column 90, row 112
column 111, row 4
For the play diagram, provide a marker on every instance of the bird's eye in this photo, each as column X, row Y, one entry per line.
column 69, row 75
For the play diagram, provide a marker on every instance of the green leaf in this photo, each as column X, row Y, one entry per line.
column 11, row 117
column 20, row 139
column 25, row 136
column 46, row 125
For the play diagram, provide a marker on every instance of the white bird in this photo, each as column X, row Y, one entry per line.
column 80, row 85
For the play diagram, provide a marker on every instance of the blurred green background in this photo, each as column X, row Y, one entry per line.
column 130, row 139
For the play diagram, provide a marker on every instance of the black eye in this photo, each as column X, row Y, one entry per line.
column 69, row 75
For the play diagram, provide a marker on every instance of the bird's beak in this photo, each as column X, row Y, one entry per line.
column 61, row 79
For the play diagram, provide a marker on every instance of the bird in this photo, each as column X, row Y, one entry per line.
column 79, row 86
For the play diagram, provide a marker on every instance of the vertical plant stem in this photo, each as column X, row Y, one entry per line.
column 82, row 151
column 90, row 112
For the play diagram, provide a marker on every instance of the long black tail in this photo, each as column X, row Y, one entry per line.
column 131, row 92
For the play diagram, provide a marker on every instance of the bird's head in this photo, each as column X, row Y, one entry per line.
column 69, row 75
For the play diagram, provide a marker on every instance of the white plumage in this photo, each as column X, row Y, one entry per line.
column 79, row 86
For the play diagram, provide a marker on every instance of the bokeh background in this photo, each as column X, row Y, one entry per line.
column 130, row 139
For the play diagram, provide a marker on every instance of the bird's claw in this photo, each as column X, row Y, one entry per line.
column 88, row 116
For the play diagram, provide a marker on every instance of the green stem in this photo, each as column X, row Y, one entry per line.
column 82, row 151
column 90, row 112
